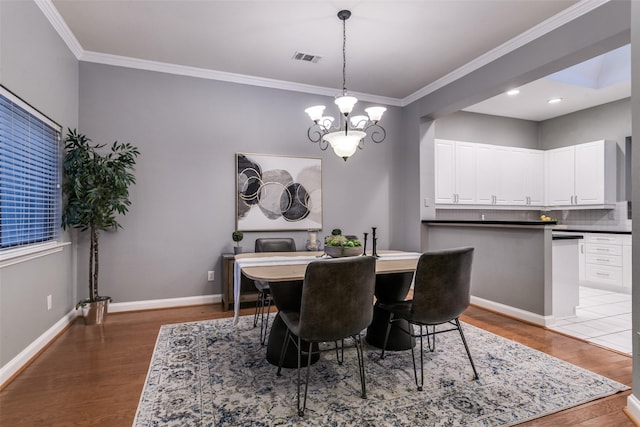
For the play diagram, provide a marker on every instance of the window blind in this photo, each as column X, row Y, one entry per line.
column 29, row 174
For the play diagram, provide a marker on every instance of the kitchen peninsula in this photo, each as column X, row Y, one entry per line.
column 512, row 266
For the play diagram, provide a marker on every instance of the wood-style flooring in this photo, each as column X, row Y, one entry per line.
column 93, row 375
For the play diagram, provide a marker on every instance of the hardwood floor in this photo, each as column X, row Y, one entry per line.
column 93, row 376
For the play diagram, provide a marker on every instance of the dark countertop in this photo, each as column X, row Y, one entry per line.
column 566, row 237
column 577, row 229
column 486, row 222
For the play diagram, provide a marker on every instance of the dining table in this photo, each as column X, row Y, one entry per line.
column 285, row 273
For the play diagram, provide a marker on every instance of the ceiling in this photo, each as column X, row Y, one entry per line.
column 396, row 50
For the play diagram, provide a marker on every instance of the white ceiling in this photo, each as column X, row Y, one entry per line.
column 395, row 49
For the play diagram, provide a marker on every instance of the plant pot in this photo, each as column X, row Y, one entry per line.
column 95, row 313
column 237, row 250
column 342, row 251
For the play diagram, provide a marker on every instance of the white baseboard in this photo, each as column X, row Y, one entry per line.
column 118, row 307
column 633, row 408
column 24, row 357
column 17, row 363
column 517, row 313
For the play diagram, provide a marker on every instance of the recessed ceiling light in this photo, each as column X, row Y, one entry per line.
column 554, row 100
column 513, row 92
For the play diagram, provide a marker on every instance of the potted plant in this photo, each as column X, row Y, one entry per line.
column 237, row 237
column 338, row 245
column 96, row 185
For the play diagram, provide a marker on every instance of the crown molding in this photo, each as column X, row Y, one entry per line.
column 581, row 8
column 61, row 27
column 577, row 10
column 183, row 70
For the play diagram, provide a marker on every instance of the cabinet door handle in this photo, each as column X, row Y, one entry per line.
column 602, row 274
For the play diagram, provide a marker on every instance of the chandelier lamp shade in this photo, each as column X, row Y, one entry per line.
column 349, row 131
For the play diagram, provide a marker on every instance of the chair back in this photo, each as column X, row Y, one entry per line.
column 337, row 298
column 442, row 285
column 275, row 244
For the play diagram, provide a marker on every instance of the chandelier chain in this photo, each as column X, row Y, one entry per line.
column 344, row 56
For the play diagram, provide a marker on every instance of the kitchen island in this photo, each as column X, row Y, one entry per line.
column 512, row 267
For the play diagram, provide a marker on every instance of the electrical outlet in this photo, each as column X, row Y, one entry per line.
column 211, row 276
column 49, row 302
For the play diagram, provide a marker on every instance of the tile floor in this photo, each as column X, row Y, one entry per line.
column 603, row 318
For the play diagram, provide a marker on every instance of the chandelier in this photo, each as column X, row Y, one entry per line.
column 349, row 133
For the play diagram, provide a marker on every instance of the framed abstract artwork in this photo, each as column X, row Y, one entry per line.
column 278, row 192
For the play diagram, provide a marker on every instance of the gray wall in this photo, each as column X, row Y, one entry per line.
column 487, row 129
column 188, row 131
column 37, row 66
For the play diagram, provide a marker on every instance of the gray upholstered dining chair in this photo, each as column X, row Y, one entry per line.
column 263, row 303
column 441, row 294
column 337, row 303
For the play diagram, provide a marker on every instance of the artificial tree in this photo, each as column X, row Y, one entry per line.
column 96, row 186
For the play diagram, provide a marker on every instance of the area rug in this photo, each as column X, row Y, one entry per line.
column 212, row 373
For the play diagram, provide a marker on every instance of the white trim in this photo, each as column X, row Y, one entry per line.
column 203, row 73
column 61, row 27
column 633, row 407
column 18, row 362
column 517, row 313
column 577, row 10
column 119, row 307
column 27, row 253
column 581, row 8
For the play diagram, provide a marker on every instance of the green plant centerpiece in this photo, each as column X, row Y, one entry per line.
column 96, row 186
column 237, row 237
column 337, row 245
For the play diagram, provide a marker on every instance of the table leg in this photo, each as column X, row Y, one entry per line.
column 276, row 341
column 389, row 288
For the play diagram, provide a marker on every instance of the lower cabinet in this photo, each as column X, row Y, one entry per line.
column 608, row 261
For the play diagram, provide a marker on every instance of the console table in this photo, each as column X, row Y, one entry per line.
column 247, row 288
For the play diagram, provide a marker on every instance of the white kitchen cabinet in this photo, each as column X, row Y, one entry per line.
column 490, row 172
column 532, row 172
column 455, row 172
column 581, row 175
column 608, row 261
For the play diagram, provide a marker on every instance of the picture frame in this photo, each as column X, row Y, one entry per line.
column 277, row 193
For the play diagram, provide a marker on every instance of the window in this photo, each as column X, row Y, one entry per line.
column 29, row 174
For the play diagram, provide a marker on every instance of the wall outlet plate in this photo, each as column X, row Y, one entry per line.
column 211, row 276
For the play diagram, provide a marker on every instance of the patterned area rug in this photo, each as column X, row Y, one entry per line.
column 212, row 373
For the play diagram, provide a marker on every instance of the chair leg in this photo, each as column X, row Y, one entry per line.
column 466, row 347
column 306, row 385
column 285, row 344
column 259, row 303
column 431, row 338
column 420, row 384
column 264, row 324
column 340, row 354
column 360, row 352
column 386, row 336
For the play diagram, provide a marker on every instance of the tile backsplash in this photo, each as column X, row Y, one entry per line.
column 591, row 218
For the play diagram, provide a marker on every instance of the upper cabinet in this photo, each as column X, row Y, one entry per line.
column 582, row 175
column 480, row 175
column 455, row 172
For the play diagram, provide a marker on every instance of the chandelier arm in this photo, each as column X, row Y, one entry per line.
column 323, row 144
column 376, row 133
column 315, row 133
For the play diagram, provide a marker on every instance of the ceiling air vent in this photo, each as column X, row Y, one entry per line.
column 307, row 57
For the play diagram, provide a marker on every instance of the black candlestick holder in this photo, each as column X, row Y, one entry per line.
column 364, row 248
column 374, row 240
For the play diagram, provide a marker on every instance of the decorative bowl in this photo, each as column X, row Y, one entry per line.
column 342, row 251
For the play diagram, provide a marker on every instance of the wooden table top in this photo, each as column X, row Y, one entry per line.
column 282, row 273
